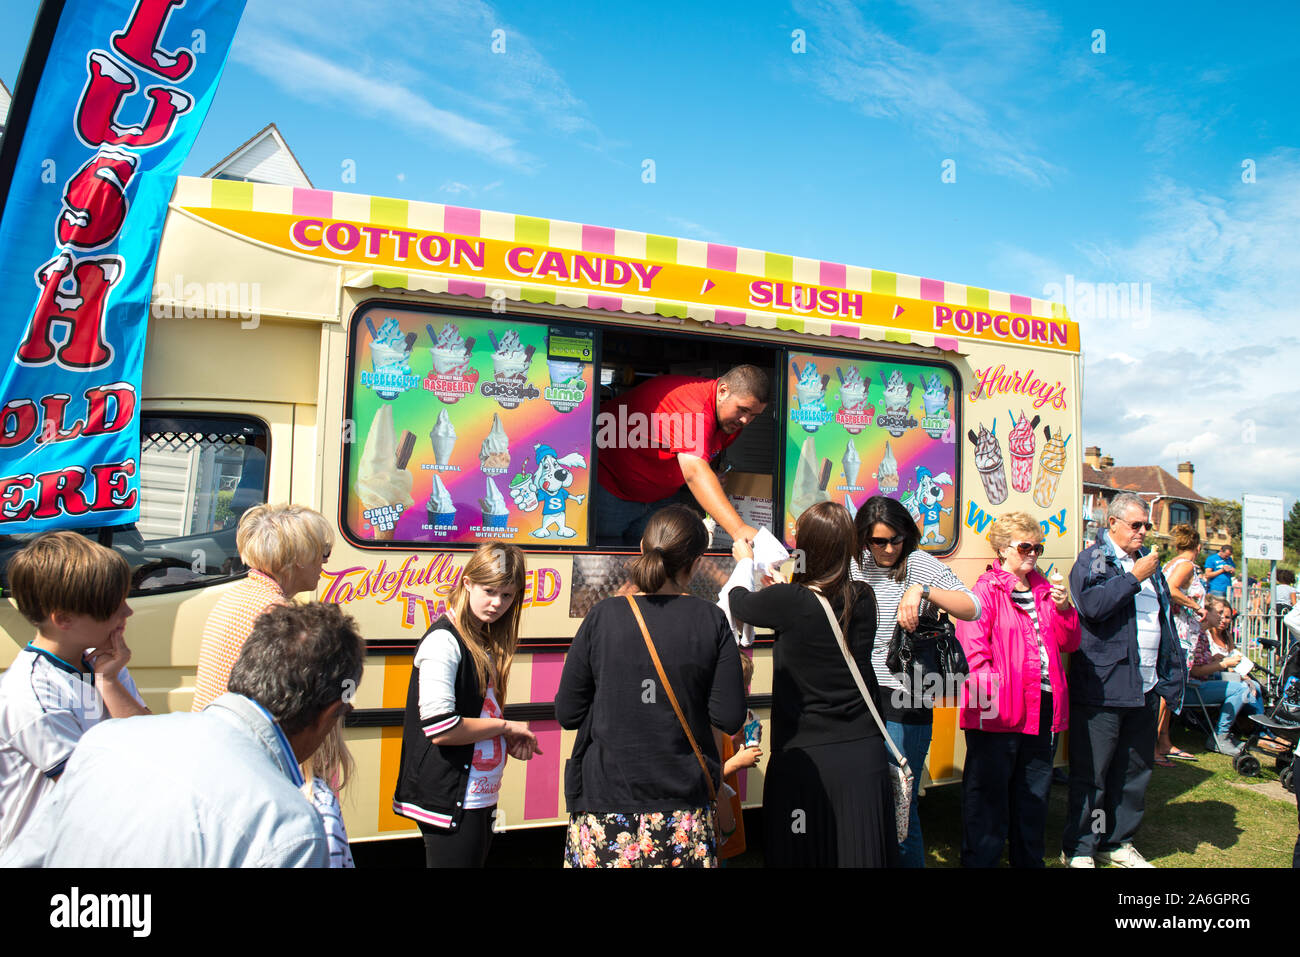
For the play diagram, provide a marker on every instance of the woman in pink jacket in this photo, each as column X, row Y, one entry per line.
column 1015, row 700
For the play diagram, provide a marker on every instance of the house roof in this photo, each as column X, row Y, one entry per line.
column 263, row 158
column 1143, row 479
column 6, row 98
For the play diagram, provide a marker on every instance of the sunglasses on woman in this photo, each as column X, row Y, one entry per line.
column 884, row 542
column 1025, row 549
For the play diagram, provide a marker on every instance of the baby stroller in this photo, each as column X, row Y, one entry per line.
column 1277, row 729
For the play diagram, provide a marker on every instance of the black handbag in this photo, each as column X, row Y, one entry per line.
column 928, row 659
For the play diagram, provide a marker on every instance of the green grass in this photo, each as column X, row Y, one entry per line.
column 1198, row 814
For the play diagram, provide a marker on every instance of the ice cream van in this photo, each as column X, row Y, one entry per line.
column 412, row 369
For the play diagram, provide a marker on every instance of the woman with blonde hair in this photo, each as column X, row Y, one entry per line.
column 454, row 738
column 326, row 774
column 1015, row 700
column 636, row 785
column 284, row 546
column 1186, row 594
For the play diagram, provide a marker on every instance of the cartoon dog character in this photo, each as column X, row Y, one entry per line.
column 928, row 501
column 549, row 487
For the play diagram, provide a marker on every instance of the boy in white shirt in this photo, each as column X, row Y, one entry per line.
column 71, row 675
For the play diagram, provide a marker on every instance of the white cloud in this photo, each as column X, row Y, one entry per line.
column 455, row 188
column 943, row 93
column 1210, row 375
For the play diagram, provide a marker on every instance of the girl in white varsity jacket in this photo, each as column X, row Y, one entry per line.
column 454, row 738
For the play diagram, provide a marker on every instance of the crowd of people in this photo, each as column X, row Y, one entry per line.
column 655, row 685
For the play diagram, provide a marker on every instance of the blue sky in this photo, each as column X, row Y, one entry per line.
column 1122, row 166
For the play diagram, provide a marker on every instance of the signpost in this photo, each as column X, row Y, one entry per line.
column 1261, row 537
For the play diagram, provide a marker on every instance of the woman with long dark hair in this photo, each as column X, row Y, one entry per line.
column 454, row 738
column 908, row 583
column 635, row 789
column 826, row 794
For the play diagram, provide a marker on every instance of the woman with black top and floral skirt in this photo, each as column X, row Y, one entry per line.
column 636, row 794
column 827, row 800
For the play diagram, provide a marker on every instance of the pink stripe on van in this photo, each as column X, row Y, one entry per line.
column 313, row 202
column 834, row 274
column 461, row 287
column 932, row 289
column 722, row 257
column 462, row 221
column 542, row 779
column 597, row 239
column 1022, row 305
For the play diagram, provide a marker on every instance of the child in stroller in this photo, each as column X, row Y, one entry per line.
column 1278, row 727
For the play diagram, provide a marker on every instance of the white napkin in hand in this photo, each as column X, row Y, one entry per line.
column 768, row 552
column 742, row 576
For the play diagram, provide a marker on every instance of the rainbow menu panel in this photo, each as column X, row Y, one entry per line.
column 855, row 429
column 467, row 429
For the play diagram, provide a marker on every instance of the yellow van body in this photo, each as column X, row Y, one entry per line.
column 258, row 295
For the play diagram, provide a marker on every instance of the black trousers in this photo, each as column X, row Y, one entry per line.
column 1005, row 783
column 463, row 846
column 1112, row 752
column 1295, row 776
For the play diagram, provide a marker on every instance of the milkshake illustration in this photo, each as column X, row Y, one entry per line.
column 511, row 359
column 442, row 510
column 450, row 350
column 1020, row 445
column 523, row 490
column 382, row 480
column 852, row 463
column 496, row 514
column 443, row 438
column 494, row 454
column 988, row 460
column 810, row 478
column 898, row 394
column 935, row 396
column 1050, row 467
column 563, row 371
column 853, row 391
column 887, row 473
column 810, row 390
column 390, row 352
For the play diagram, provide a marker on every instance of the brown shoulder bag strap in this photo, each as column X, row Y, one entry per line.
column 681, row 718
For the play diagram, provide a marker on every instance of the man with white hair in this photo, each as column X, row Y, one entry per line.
column 1129, row 658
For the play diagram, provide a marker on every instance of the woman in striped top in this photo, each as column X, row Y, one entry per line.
column 908, row 583
column 1015, row 700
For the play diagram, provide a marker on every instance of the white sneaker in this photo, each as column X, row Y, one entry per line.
column 1125, row 855
column 1077, row 861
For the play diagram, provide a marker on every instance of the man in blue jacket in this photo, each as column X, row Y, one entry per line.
column 1129, row 658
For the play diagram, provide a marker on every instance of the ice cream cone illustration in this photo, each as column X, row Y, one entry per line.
column 887, row 473
column 1050, row 466
column 852, row 463
column 988, row 460
column 496, row 514
column 1020, row 444
column 441, row 509
column 383, row 484
column 443, row 438
column 494, row 455
column 810, row 478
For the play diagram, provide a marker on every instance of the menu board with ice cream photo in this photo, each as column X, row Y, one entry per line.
column 859, row 428
column 468, row 429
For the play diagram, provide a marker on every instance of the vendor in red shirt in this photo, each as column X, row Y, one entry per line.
column 664, row 434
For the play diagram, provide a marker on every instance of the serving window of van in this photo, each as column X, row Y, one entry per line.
column 747, row 468
column 857, row 426
column 464, row 428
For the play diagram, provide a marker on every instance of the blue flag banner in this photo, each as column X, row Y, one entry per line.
column 125, row 88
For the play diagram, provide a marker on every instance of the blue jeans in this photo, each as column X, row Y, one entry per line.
column 620, row 522
column 914, row 741
column 1237, row 697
